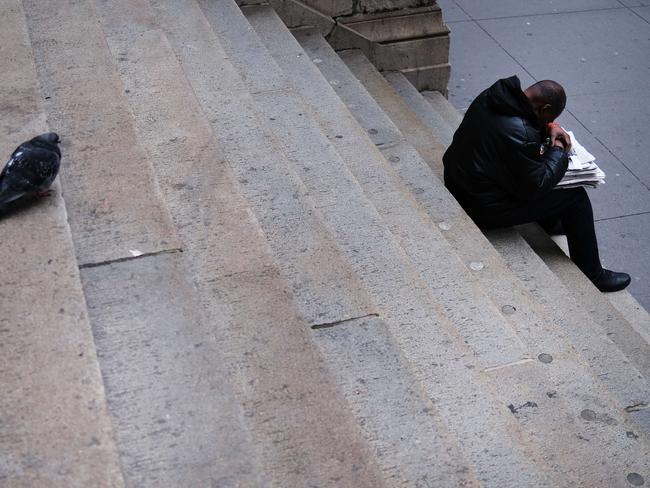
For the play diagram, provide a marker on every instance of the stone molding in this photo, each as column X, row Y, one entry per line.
column 408, row 36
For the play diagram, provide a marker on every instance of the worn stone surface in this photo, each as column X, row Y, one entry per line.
column 275, row 192
column 366, row 227
column 410, row 440
column 434, row 77
column 112, row 198
column 175, row 416
column 303, row 433
column 54, row 426
column 587, row 335
column 294, row 13
column 634, row 313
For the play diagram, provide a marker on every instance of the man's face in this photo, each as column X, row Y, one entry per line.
column 545, row 114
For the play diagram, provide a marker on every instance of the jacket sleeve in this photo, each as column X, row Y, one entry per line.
column 534, row 174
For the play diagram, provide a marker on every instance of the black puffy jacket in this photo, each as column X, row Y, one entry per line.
column 495, row 162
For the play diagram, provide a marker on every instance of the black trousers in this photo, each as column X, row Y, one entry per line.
column 571, row 207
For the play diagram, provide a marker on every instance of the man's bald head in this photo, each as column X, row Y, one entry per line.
column 548, row 99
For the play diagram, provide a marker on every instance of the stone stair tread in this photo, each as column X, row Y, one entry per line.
column 637, row 316
column 113, row 201
column 289, row 54
column 55, row 428
column 448, row 112
column 175, row 418
column 53, row 403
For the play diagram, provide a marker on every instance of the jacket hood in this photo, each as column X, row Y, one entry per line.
column 507, row 98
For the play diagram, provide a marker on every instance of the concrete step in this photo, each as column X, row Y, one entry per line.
column 637, row 316
column 589, row 333
column 54, row 428
column 264, row 324
column 113, row 202
column 284, row 54
column 533, row 338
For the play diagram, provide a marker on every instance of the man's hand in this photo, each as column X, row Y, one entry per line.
column 559, row 137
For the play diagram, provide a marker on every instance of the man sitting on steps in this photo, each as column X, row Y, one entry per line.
column 502, row 175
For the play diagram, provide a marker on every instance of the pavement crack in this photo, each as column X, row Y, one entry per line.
column 129, row 258
column 637, row 407
column 327, row 325
column 514, row 409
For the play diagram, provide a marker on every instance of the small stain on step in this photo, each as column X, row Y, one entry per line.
column 514, row 409
column 591, row 416
column 545, row 358
column 635, row 479
column 476, row 265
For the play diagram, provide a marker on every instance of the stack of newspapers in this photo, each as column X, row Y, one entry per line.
column 583, row 170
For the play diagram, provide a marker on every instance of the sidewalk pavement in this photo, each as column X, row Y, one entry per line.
column 599, row 50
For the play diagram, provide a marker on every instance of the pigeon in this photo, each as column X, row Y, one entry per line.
column 31, row 170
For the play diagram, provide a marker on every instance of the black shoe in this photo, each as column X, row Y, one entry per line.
column 611, row 280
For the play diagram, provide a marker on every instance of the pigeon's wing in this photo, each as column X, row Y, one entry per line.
column 28, row 170
column 31, row 169
column 12, row 184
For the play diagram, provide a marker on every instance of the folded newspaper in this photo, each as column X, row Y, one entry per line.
column 583, row 170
